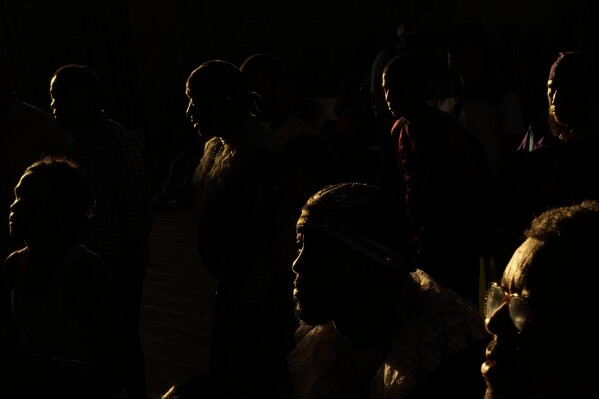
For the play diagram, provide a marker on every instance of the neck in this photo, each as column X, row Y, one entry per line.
column 584, row 128
column 87, row 120
column 50, row 248
column 235, row 127
column 375, row 313
column 418, row 112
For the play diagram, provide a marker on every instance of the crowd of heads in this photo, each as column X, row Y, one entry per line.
column 356, row 274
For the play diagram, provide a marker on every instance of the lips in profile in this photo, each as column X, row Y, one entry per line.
column 302, row 294
column 500, row 369
column 489, row 364
column 296, row 293
column 486, row 369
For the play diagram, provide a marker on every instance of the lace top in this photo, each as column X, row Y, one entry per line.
column 440, row 324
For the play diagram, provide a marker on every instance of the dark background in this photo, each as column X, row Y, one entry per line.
column 144, row 50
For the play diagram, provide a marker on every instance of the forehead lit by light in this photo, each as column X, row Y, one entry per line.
column 513, row 275
column 52, row 83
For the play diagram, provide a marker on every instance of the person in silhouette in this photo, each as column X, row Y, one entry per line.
column 445, row 177
column 556, row 162
column 541, row 311
column 275, row 102
column 28, row 133
column 59, row 300
column 407, row 39
column 305, row 164
column 236, row 210
column 484, row 102
column 557, row 156
column 373, row 324
column 114, row 161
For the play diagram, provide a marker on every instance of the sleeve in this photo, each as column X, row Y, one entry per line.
column 134, row 188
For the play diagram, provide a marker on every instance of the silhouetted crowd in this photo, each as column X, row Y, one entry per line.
column 433, row 234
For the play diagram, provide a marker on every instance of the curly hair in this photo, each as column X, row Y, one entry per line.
column 577, row 223
column 568, row 259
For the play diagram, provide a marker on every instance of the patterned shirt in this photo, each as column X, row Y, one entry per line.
column 114, row 162
column 436, row 325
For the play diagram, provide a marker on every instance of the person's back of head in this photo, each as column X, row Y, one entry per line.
column 266, row 77
column 262, row 73
column 75, row 95
column 219, row 99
